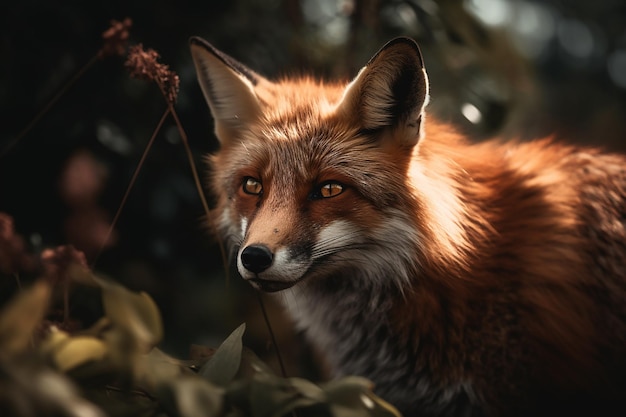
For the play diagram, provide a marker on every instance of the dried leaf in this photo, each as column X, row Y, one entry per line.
column 194, row 397
column 53, row 340
column 252, row 364
column 200, row 352
column 125, row 355
column 224, row 364
column 28, row 389
column 273, row 396
column 347, row 391
column 77, row 351
column 352, row 396
column 21, row 316
column 136, row 312
column 158, row 369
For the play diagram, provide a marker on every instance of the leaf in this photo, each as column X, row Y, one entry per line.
column 125, row 352
column 54, row 339
column 273, row 396
column 224, row 364
column 307, row 389
column 377, row 407
column 32, row 389
column 352, row 396
column 77, row 351
column 136, row 312
column 21, row 316
column 200, row 352
column 158, row 368
column 251, row 363
column 117, row 402
column 193, row 397
column 347, row 391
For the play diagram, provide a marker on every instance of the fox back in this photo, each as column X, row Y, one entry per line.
column 461, row 278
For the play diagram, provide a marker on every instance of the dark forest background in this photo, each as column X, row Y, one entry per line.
column 497, row 67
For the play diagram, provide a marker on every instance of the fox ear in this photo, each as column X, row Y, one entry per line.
column 390, row 92
column 228, row 88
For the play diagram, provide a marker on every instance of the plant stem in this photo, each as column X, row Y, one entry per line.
column 271, row 332
column 49, row 105
column 198, row 183
column 130, row 185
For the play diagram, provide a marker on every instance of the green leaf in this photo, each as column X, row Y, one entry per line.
column 224, row 364
column 21, row 316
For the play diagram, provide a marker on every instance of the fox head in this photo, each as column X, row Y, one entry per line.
column 311, row 177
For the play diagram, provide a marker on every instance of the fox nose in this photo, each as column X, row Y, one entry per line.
column 256, row 258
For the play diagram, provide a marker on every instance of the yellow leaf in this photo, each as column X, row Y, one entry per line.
column 21, row 316
column 78, row 351
column 136, row 312
column 53, row 340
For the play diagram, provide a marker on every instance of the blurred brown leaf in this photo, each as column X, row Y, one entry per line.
column 21, row 317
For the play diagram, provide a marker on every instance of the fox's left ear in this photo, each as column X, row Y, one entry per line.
column 390, row 92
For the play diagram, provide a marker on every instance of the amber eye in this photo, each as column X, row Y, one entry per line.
column 329, row 189
column 252, row 186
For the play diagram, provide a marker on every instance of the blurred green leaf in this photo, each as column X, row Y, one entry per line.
column 28, row 389
column 191, row 396
column 347, row 391
column 224, row 364
column 273, row 396
column 117, row 402
column 125, row 353
column 21, row 316
column 158, row 369
column 352, row 396
column 252, row 364
column 136, row 312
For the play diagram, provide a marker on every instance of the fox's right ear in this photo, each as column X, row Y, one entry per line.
column 390, row 92
column 228, row 88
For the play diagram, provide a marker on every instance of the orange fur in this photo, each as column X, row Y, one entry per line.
column 462, row 278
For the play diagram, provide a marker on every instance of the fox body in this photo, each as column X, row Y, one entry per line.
column 461, row 278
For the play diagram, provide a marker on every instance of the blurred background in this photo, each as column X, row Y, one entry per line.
column 516, row 68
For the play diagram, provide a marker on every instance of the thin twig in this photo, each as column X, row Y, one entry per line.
column 143, row 64
column 49, row 105
column 130, row 185
column 115, row 39
column 198, row 183
column 271, row 332
column 17, row 280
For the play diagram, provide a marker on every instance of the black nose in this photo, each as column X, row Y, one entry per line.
column 256, row 258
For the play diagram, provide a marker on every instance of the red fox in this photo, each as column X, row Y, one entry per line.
column 463, row 279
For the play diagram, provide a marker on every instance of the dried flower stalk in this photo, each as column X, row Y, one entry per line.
column 144, row 65
column 57, row 262
column 116, row 38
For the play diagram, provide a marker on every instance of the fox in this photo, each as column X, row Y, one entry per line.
column 461, row 277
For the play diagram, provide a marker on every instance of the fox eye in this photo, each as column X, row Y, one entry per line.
column 328, row 189
column 252, row 186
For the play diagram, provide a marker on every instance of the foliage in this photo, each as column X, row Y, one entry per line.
column 121, row 372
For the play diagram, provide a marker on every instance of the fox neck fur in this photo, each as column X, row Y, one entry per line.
column 461, row 278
